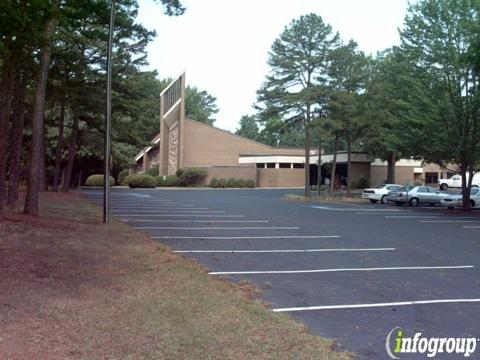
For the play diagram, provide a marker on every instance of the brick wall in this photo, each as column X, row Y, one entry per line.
column 280, row 177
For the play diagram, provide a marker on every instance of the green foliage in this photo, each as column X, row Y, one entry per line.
column 200, row 105
column 153, row 171
column 249, row 128
column 362, row 183
column 231, row 183
column 122, row 175
column 222, row 183
column 214, row 183
column 191, row 176
column 97, row 180
column 240, row 183
column 141, row 181
column 169, row 181
column 250, row 183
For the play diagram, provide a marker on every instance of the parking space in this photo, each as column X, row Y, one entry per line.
column 351, row 272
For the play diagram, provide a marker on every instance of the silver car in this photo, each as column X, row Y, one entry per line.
column 453, row 201
column 417, row 195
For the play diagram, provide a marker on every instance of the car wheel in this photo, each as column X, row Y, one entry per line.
column 373, row 201
column 398, row 203
column 384, row 199
column 472, row 203
column 451, row 207
column 414, row 202
column 443, row 187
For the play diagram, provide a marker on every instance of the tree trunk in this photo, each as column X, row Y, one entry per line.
column 334, row 165
column 391, row 160
column 72, row 151
column 319, row 174
column 31, row 199
column 307, row 161
column 5, row 105
column 349, row 162
column 58, row 152
column 43, row 162
column 17, row 141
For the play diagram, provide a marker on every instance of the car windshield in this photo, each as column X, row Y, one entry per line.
column 405, row 188
column 474, row 191
column 380, row 186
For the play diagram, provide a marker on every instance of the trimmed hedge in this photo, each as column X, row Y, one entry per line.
column 191, row 176
column 222, row 183
column 170, row 180
column 97, row 180
column 154, row 171
column 214, row 183
column 250, row 183
column 232, row 183
column 122, row 175
column 141, row 181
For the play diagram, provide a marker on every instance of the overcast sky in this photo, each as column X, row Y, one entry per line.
column 223, row 44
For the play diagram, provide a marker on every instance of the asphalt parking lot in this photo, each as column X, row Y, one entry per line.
column 351, row 272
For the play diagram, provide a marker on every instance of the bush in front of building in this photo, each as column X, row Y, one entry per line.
column 191, row 176
column 231, row 183
column 97, row 180
column 141, row 181
column 214, row 183
column 250, row 183
column 122, row 175
column 169, row 181
column 362, row 183
column 240, row 183
column 222, row 183
column 153, row 171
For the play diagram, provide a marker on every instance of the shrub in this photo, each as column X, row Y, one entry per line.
column 141, row 181
column 152, row 171
column 231, row 183
column 240, row 183
column 170, row 180
column 191, row 176
column 222, row 183
column 250, row 183
column 122, row 175
column 97, row 180
column 362, row 183
column 214, row 183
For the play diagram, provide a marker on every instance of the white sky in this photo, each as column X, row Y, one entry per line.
column 223, row 44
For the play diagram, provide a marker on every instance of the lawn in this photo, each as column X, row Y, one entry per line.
column 73, row 288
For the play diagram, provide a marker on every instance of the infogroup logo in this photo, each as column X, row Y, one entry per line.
column 398, row 343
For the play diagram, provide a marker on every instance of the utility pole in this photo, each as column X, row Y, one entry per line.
column 108, row 119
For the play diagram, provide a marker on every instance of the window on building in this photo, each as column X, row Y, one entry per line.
column 284, row 165
column 271, row 165
column 298, row 166
column 260, row 165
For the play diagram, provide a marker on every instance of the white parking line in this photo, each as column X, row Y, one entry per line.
column 449, row 221
column 373, row 305
column 248, row 237
column 198, row 221
column 184, row 215
column 425, row 217
column 279, row 251
column 471, row 227
column 339, row 270
column 156, row 208
column 170, row 211
column 218, row 228
column 135, row 206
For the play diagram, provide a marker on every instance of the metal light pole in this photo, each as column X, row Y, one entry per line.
column 108, row 119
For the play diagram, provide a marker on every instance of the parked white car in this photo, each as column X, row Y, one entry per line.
column 380, row 192
column 453, row 201
column 456, row 181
